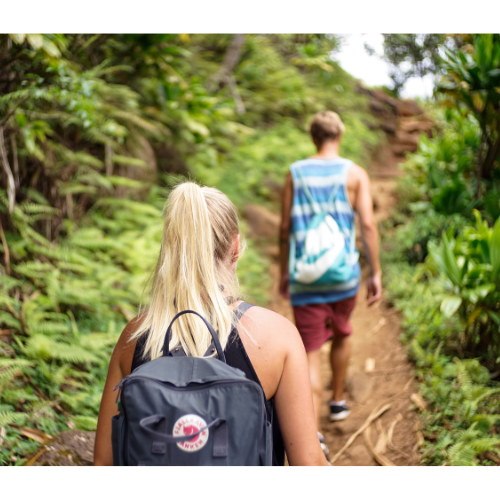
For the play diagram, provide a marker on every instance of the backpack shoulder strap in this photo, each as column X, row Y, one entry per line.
column 239, row 311
column 342, row 180
column 305, row 187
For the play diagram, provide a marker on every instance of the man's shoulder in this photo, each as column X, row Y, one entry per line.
column 358, row 172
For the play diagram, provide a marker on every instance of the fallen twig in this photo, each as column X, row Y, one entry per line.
column 381, row 459
column 405, row 388
column 381, row 444
column 390, row 433
column 373, row 416
column 418, row 401
column 35, row 434
column 491, row 456
column 377, row 327
column 369, row 365
column 36, row 457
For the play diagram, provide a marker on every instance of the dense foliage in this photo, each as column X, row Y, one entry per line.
column 444, row 274
column 473, row 82
column 94, row 130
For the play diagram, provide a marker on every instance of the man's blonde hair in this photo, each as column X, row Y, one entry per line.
column 325, row 126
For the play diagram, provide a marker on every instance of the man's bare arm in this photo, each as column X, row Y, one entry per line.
column 286, row 208
column 364, row 207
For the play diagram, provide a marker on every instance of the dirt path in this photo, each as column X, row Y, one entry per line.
column 376, row 333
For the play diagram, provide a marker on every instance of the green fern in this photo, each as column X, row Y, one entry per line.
column 16, row 396
column 9, row 320
column 9, row 369
column 419, row 352
column 469, row 445
column 45, row 348
column 98, row 341
column 85, row 423
column 462, row 455
column 49, row 328
column 485, row 444
column 11, row 417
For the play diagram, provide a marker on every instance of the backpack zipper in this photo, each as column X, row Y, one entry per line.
column 175, row 388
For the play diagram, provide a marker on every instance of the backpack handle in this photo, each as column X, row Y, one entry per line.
column 218, row 347
column 220, row 440
column 146, row 423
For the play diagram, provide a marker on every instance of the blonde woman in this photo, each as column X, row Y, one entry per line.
column 196, row 270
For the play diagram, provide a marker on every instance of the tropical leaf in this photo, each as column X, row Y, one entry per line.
column 450, row 305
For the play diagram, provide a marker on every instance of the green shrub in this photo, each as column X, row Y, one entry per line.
column 470, row 266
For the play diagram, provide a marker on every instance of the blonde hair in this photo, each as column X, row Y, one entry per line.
column 326, row 125
column 194, row 271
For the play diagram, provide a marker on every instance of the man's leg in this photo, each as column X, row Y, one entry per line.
column 339, row 358
column 314, row 361
column 340, row 354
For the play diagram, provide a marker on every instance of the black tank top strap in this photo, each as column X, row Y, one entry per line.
column 236, row 356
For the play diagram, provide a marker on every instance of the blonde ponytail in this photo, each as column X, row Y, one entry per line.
column 194, row 271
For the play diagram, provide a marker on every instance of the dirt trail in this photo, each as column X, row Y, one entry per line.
column 376, row 333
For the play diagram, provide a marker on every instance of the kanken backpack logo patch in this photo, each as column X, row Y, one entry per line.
column 187, row 426
column 184, row 410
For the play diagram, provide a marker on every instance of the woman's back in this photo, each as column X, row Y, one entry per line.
column 273, row 345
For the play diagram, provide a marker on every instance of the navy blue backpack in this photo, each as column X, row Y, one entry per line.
column 184, row 410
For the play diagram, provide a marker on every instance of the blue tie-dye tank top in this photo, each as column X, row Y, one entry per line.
column 321, row 176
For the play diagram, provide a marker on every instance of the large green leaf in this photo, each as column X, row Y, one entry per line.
column 452, row 270
column 483, row 290
column 450, row 305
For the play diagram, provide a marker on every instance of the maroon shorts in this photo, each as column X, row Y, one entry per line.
column 317, row 323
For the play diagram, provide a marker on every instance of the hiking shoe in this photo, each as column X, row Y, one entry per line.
column 324, row 447
column 339, row 412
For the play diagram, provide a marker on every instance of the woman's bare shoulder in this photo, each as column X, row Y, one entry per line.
column 269, row 327
column 125, row 347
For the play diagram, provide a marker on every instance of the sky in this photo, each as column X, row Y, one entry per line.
column 372, row 69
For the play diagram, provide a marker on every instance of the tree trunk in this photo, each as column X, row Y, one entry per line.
column 231, row 59
column 11, row 186
column 491, row 156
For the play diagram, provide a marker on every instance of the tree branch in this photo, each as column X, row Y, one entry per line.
column 6, row 249
column 12, row 111
column 41, row 116
column 108, row 159
column 15, row 160
column 492, row 154
column 11, row 187
column 231, row 59
column 240, row 107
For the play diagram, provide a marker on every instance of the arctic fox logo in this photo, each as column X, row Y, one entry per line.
column 188, row 425
column 190, row 429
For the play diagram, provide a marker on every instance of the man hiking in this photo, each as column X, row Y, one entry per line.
column 319, row 261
